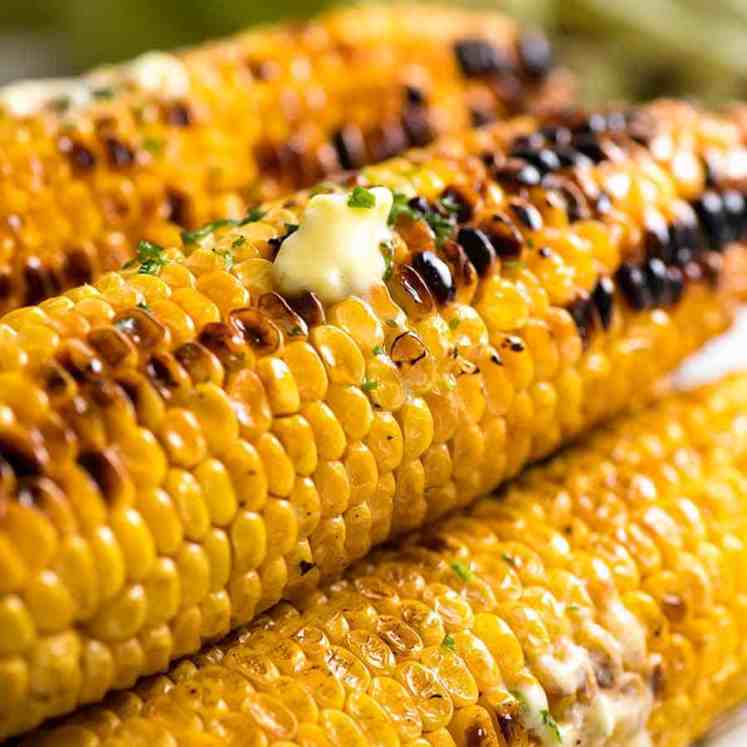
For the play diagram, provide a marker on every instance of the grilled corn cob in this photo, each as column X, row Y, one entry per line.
column 601, row 600
column 183, row 446
column 90, row 166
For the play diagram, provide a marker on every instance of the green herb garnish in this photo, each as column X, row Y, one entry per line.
column 361, row 197
column 441, row 225
column 144, row 306
column 153, row 145
column 369, row 385
column 400, row 207
column 550, row 723
column 454, row 323
column 103, row 93
column 508, row 559
column 194, row 237
column 150, row 257
column 449, row 642
column 449, row 204
column 461, row 570
column 238, row 241
column 378, row 350
column 227, row 257
column 295, row 331
column 387, row 251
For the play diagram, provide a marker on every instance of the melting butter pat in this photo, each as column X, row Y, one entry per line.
column 28, row 97
column 159, row 73
column 336, row 250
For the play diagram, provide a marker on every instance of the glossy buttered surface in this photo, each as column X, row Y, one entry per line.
column 594, row 602
column 182, row 446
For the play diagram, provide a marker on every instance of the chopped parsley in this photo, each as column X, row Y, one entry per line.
column 361, row 197
column 450, row 204
column 378, row 350
column 369, row 385
column 103, row 93
column 391, row 322
column 151, row 258
column 144, row 306
column 238, row 241
column 253, row 216
column 442, row 225
column 520, row 699
column 508, row 559
column 454, row 323
column 400, row 207
column 449, row 642
column 227, row 257
column 295, row 331
column 153, row 145
column 461, row 570
column 550, row 723
column 387, row 251
column 194, row 237
column 61, row 104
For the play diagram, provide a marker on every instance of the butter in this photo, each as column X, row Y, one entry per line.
column 28, row 97
column 158, row 73
column 336, row 250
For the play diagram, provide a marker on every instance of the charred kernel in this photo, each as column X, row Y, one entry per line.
column 517, row 173
column 532, row 141
column 40, row 281
column 176, row 206
column 350, row 147
column 308, row 307
column 436, row 274
column 143, row 330
column 735, row 207
column 657, row 281
column 81, row 157
column 179, row 115
column 279, row 310
column 224, row 341
column 120, row 154
column 603, row 297
column 262, row 334
column 535, row 55
column 593, row 124
column 583, row 312
column 657, row 239
column 410, row 291
column 479, row 57
column 592, row 148
column 676, row 284
column 481, row 116
column 527, row 215
column 456, row 203
column 478, row 248
column 543, row 159
column 569, row 157
column 78, row 268
column 416, row 125
column 632, row 282
column 556, row 135
column 504, row 237
column 414, row 95
column 710, row 211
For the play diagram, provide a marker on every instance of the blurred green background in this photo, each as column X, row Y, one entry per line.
column 619, row 48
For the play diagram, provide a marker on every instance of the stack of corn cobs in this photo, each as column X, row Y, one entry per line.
column 218, row 396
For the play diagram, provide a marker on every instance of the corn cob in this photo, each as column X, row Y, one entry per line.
column 183, row 446
column 601, row 600
column 90, row 166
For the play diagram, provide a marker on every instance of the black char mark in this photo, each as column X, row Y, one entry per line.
column 436, row 274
